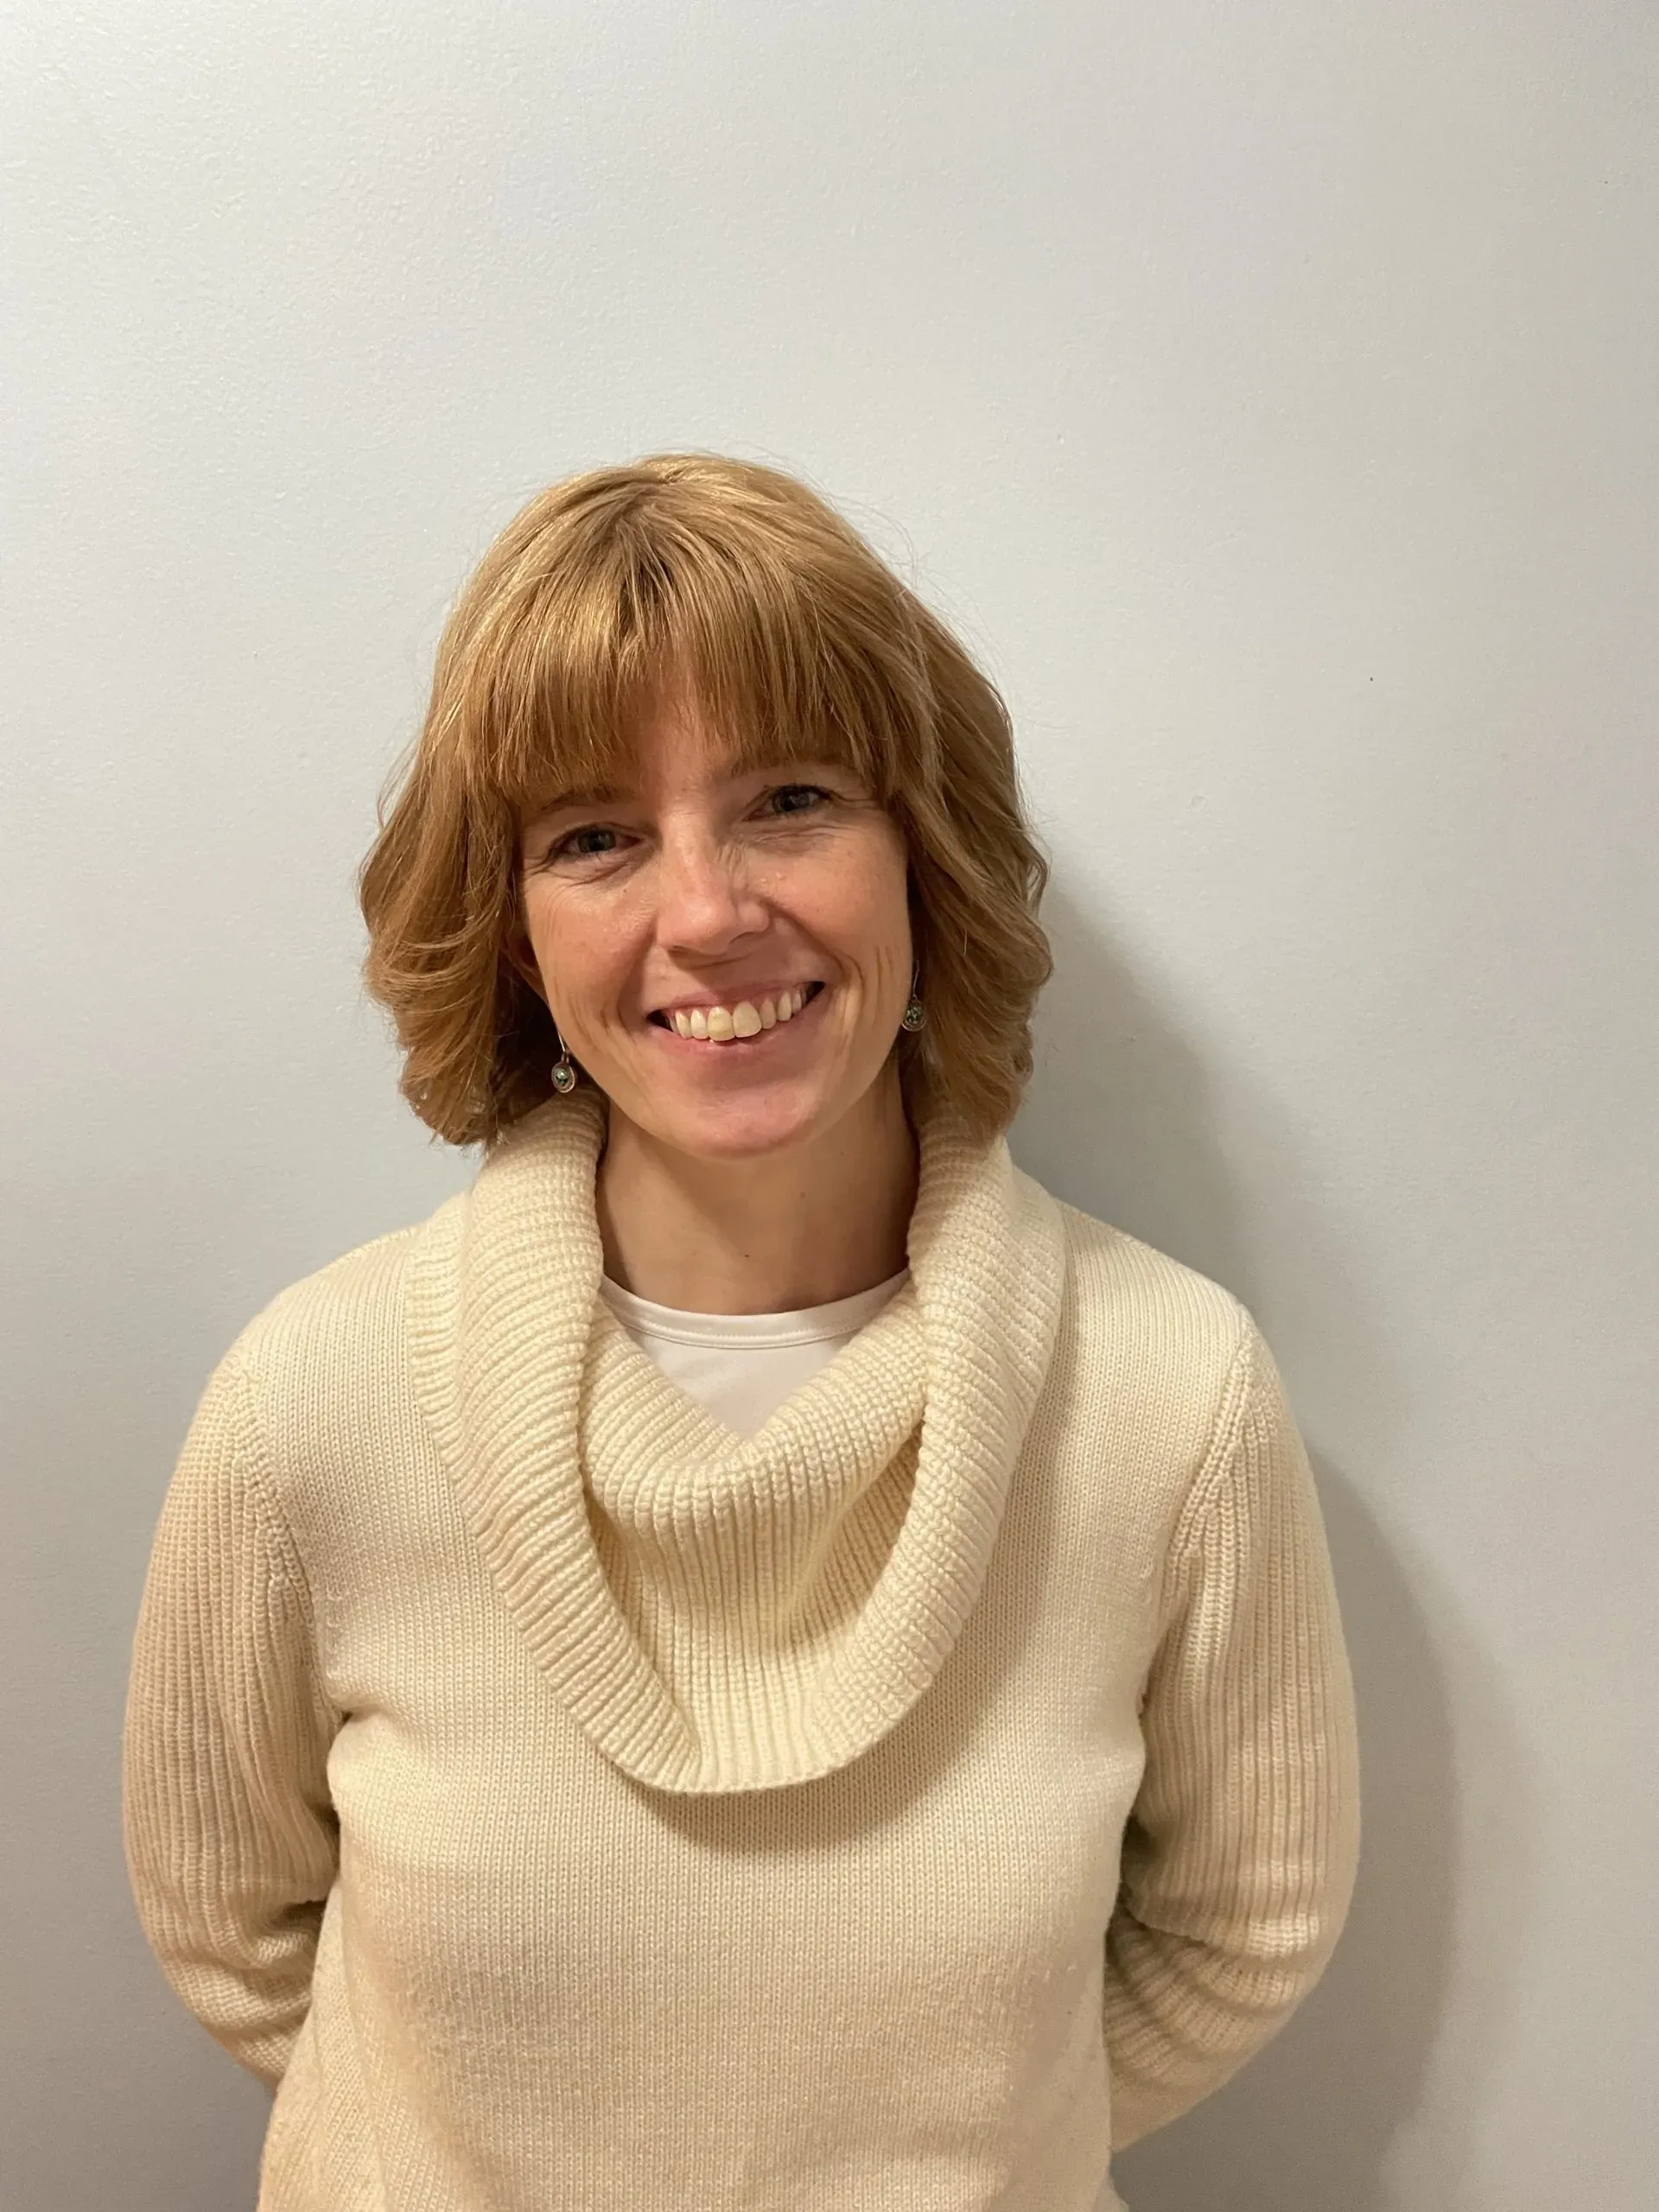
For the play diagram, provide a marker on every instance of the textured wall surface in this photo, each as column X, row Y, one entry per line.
column 1267, row 393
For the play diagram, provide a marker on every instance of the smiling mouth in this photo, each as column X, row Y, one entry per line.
column 744, row 1017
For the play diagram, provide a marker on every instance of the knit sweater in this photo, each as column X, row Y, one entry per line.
column 568, row 1805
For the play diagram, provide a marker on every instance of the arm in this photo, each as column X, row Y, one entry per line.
column 229, row 1836
column 1241, row 1850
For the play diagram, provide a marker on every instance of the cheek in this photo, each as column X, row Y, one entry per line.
column 861, row 898
column 580, row 950
column 860, row 916
column 886, row 910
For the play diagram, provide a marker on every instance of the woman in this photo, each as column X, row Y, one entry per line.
column 755, row 1658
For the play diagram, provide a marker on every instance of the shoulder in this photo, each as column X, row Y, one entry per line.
column 1147, row 1343
column 1121, row 1283
column 313, row 1373
column 341, row 1324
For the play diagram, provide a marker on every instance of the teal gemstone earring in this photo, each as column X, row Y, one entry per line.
column 915, row 1013
column 565, row 1076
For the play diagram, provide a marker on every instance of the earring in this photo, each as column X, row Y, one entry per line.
column 915, row 1013
column 565, row 1076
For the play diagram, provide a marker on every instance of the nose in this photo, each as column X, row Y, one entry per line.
column 706, row 902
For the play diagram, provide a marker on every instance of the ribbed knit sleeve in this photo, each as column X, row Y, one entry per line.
column 1241, row 1852
column 231, row 1839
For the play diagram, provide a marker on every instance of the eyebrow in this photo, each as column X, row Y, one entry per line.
column 588, row 795
column 562, row 802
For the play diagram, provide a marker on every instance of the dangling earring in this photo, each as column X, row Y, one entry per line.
column 915, row 1013
column 565, row 1076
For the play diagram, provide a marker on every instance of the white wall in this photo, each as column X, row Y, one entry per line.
column 1268, row 392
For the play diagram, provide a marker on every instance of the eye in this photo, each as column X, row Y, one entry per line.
column 575, row 844
column 798, row 798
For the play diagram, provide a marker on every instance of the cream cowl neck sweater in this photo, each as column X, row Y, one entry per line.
column 568, row 1805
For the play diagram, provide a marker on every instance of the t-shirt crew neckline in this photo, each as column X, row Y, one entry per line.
column 808, row 1324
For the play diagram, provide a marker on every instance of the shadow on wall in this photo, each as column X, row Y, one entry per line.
column 1125, row 1120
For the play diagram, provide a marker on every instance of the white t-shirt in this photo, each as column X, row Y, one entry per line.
column 740, row 1367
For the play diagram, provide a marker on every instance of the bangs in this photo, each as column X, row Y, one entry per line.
column 583, row 636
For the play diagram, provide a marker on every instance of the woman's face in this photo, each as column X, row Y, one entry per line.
column 699, row 900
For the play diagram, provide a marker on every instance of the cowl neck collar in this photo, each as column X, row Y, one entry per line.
column 720, row 1612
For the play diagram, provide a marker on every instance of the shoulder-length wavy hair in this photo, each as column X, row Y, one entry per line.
column 799, row 642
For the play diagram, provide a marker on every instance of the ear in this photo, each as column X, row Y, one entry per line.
column 520, row 957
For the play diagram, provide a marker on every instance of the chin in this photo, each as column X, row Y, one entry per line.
column 737, row 1126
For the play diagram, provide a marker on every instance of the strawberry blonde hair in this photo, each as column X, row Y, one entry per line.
column 799, row 642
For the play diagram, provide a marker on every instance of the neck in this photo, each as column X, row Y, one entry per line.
column 768, row 1235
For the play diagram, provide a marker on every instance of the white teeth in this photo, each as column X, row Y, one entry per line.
column 720, row 1025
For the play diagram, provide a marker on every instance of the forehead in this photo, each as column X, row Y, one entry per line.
column 671, row 749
